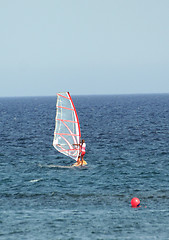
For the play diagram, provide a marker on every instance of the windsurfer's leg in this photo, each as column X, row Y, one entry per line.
column 82, row 158
column 78, row 160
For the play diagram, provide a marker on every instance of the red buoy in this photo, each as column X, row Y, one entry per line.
column 135, row 202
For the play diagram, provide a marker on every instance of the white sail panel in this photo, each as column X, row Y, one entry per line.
column 67, row 128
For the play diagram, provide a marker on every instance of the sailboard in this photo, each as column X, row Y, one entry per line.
column 67, row 133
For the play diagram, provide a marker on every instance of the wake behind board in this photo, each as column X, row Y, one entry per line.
column 55, row 166
column 61, row 166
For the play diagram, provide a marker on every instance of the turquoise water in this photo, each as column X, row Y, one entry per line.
column 127, row 140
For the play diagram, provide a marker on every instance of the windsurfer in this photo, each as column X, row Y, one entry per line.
column 80, row 160
column 66, row 118
column 83, row 151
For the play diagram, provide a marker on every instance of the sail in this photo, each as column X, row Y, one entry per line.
column 67, row 128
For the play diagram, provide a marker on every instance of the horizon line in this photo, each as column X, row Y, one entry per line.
column 95, row 94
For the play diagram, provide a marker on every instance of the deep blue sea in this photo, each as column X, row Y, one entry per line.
column 127, row 138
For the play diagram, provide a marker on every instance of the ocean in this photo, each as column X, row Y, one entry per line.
column 127, row 143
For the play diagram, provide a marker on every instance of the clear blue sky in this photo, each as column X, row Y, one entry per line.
column 83, row 46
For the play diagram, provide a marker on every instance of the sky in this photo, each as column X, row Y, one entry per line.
column 84, row 47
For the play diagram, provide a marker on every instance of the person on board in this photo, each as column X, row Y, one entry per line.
column 83, row 151
column 80, row 160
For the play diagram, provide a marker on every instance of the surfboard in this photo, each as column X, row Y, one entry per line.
column 77, row 164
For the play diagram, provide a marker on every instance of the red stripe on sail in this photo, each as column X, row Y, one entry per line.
column 62, row 96
column 65, row 120
column 68, row 134
column 65, row 108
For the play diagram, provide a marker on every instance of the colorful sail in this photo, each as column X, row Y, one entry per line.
column 67, row 128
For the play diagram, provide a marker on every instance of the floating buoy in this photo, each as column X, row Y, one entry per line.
column 135, row 202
